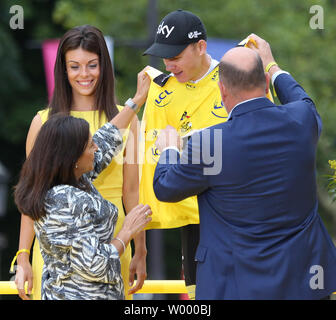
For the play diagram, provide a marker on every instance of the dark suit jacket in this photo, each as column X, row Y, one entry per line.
column 261, row 236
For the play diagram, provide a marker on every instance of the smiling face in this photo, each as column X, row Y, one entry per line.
column 83, row 71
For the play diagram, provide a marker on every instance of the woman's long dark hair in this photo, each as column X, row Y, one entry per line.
column 90, row 39
column 51, row 162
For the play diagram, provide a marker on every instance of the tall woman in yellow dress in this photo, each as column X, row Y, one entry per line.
column 84, row 88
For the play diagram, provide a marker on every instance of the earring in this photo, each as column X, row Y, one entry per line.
column 76, row 166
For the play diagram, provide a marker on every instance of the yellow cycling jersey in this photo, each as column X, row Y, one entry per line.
column 186, row 106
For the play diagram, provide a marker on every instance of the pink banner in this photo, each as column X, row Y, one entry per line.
column 49, row 52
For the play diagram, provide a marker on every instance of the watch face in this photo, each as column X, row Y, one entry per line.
column 131, row 104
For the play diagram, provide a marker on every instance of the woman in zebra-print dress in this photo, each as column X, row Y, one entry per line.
column 72, row 221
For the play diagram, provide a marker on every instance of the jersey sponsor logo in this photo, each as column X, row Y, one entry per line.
column 190, row 86
column 219, row 110
column 186, row 123
column 164, row 29
column 155, row 153
column 163, row 99
column 215, row 76
column 186, row 126
column 184, row 116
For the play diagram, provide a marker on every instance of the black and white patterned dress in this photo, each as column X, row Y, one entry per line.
column 75, row 235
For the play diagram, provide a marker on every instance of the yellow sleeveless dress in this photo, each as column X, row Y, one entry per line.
column 109, row 184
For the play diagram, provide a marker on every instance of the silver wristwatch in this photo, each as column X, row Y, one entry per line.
column 130, row 103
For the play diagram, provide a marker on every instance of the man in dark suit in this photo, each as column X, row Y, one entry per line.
column 261, row 236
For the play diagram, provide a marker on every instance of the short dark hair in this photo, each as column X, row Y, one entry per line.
column 236, row 79
column 59, row 144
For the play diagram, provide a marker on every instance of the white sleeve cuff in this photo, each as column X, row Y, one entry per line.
column 172, row 147
column 277, row 74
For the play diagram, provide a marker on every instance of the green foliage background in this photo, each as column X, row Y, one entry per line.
column 308, row 54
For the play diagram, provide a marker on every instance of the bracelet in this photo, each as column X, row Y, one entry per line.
column 270, row 65
column 122, row 242
column 11, row 270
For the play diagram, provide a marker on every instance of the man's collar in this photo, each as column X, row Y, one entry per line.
column 251, row 105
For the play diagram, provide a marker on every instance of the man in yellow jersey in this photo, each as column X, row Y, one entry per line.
column 188, row 99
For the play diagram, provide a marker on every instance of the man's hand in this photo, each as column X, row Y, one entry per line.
column 168, row 137
column 264, row 50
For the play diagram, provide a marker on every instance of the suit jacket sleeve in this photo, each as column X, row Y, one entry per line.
column 288, row 91
column 177, row 178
